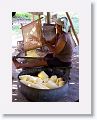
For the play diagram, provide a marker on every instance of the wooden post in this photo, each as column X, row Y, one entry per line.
column 22, row 32
column 72, row 27
column 40, row 27
column 48, row 17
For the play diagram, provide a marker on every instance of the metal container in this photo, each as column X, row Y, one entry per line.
column 45, row 95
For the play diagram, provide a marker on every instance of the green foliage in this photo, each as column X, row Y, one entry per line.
column 36, row 17
column 23, row 15
column 16, row 28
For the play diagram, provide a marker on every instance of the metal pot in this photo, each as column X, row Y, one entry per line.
column 47, row 95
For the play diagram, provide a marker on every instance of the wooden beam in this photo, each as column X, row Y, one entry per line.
column 72, row 27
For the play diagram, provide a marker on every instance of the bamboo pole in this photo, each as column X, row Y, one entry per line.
column 72, row 27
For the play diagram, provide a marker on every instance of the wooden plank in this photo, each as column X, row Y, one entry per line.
column 37, row 13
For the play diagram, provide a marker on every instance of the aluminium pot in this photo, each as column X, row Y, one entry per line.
column 44, row 95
